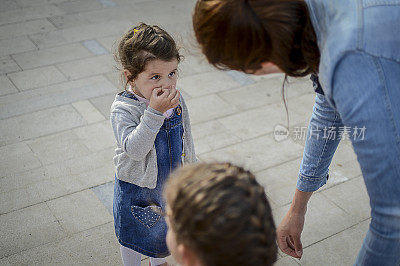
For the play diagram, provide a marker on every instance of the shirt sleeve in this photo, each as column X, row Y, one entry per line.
column 321, row 143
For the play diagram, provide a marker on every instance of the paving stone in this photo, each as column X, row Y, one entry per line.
column 103, row 104
column 51, row 56
column 95, row 47
column 88, row 111
column 88, row 66
column 339, row 249
column 85, row 164
column 240, row 77
column 14, row 181
column 116, row 79
column 30, row 13
column 38, row 77
column 79, row 211
column 96, row 246
column 16, row 30
column 16, row 45
column 58, row 147
column 323, row 219
column 54, row 95
column 32, row 3
column 287, row 261
column 211, row 82
column 193, row 64
column 109, row 42
column 256, row 154
column 6, row 87
column 202, row 130
column 39, row 123
column 280, row 181
column 7, row 65
column 79, row 6
column 7, row 5
column 257, row 122
column 27, row 228
column 352, row 197
column 80, row 33
column 17, row 158
column 214, row 142
column 97, row 136
column 208, row 107
column 105, row 193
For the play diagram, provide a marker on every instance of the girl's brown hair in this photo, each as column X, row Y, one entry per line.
column 142, row 44
column 241, row 34
column 222, row 213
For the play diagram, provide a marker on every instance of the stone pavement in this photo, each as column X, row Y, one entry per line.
column 57, row 81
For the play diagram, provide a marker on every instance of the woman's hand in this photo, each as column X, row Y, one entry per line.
column 289, row 230
column 288, row 234
column 164, row 99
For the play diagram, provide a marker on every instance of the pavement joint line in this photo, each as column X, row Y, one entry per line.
column 58, row 240
column 334, row 203
column 51, row 22
column 359, row 222
column 12, row 82
column 37, row 47
column 47, row 200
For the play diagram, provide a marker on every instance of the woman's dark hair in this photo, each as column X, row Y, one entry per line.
column 241, row 34
column 221, row 212
column 142, row 44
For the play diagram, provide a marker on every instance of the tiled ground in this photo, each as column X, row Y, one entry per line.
column 57, row 81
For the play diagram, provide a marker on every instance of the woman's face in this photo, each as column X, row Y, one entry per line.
column 266, row 68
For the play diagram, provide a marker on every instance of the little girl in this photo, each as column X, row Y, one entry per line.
column 152, row 128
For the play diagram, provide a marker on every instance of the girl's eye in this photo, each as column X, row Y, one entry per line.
column 155, row 77
column 172, row 74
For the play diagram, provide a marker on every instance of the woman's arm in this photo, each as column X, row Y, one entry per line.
column 323, row 137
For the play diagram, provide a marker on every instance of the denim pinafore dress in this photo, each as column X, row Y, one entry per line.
column 137, row 220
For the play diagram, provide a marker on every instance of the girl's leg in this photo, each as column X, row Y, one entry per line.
column 130, row 257
column 157, row 261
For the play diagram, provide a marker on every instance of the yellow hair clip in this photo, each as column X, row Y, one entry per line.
column 135, row 30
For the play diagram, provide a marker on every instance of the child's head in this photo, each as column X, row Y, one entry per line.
column 149, row 58
column 219, row 215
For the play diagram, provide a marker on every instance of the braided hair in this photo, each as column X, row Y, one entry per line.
column 221, row 212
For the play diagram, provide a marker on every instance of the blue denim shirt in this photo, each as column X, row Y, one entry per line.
column 343, row 28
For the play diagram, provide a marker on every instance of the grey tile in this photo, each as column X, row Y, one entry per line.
column 256, row 154
column 286, row 261
column 20, row 180
column 80, row 33
column 32, row 3
column 27, row 228
column 51, row 56
column 30, row 13
column 107, row 3
column 103, row 104
column 323, row 219
column 352, row 197
column 109, row 42
column 6, row 87
column 95, row 47
column 14, row 30
column 79, row 6
column 16, row 45
column 17, row 158
column 207, row 83
column 38, row 77
column 87, row 67
column 339, row 249
column 79, row 211
column 7, row 65
column 39, row 123
column 54, row 95
column 7, row 5
column 64, row 146
column 208, row 107
column 103, row 132
column 257, row 122
column 96, row 246
column 105, row 194
column 88, row 111
column 240, row 77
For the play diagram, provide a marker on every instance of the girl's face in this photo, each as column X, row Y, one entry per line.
column 157, row 74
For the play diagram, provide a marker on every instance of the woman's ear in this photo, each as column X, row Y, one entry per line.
column 267, row 68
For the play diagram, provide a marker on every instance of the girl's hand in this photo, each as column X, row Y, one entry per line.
column 164, row 99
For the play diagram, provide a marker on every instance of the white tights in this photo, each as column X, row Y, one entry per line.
column 133, row 258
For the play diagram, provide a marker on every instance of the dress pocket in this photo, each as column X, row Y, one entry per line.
column 148, row 216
